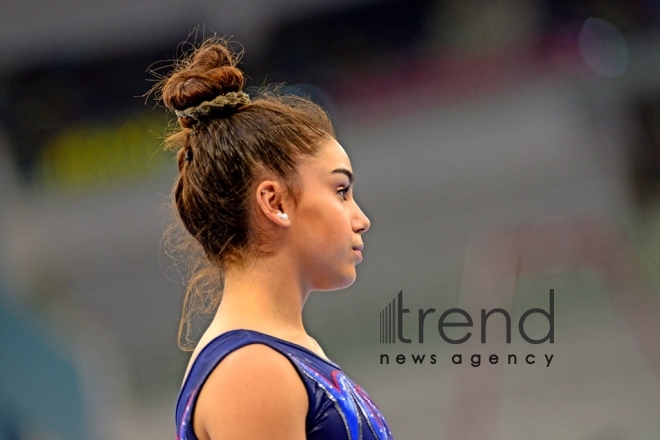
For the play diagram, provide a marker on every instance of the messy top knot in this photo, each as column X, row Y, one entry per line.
column 210, row 72
column 222, row 161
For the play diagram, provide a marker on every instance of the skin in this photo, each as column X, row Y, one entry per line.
column 316, row 248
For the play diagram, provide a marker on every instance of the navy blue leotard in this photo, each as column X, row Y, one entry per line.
column 338, row 408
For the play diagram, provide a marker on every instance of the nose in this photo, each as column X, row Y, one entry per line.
column 361, row 222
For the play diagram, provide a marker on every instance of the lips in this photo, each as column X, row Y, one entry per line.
column 358, row 251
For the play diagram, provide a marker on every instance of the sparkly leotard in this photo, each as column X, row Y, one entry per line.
column 338, row 408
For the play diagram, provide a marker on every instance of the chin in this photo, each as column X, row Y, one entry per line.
column 337, row 283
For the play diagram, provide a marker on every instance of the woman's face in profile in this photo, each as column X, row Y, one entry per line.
column 327, row 225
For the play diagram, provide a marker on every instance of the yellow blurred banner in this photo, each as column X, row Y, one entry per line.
column 94, row 155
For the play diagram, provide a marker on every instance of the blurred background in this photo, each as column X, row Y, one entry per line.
column 502, row 148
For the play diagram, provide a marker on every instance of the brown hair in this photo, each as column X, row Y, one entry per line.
column 220, row 159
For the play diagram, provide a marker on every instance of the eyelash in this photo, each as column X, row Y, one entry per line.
column 342, row 192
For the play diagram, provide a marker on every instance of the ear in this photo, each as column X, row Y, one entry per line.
column 272, row 202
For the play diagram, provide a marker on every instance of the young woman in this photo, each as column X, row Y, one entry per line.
column 267, row 192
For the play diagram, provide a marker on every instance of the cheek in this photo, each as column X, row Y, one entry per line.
column 334, row 226
column 327, row 226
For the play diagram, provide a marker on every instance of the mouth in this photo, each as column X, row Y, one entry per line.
column 358, row 251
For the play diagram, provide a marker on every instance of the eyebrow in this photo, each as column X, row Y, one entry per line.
column 348, row 173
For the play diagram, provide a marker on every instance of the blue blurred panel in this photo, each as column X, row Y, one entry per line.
column 39, row 390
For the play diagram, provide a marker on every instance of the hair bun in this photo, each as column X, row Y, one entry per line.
column 209, row 72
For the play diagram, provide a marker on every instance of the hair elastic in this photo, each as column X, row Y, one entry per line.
column 228, row 100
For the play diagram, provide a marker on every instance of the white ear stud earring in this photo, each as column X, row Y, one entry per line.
column 282, row 216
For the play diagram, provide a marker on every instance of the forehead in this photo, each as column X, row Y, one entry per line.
column 330, row 157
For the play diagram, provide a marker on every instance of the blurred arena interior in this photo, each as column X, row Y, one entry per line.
column 502, row 148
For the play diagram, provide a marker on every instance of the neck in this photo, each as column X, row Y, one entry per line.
column 265, row 297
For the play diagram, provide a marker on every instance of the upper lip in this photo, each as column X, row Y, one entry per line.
column 358, row 247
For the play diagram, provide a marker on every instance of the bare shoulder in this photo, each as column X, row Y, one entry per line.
column 254, row 393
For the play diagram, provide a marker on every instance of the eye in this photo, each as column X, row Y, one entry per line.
column 343, row 191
